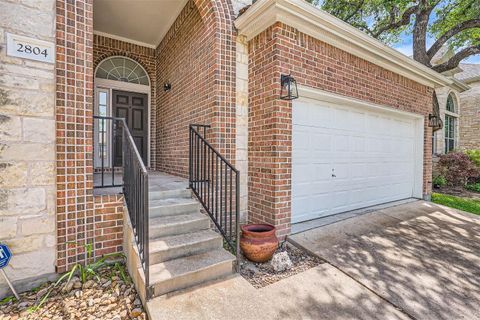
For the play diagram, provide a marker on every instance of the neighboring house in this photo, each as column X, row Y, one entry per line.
column 357, row 136
column 470, row 106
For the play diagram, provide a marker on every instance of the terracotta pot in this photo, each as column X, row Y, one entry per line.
column 258, row 242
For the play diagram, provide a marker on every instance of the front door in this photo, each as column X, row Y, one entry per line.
column 134, row 108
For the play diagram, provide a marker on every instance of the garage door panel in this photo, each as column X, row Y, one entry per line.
column 345, row 158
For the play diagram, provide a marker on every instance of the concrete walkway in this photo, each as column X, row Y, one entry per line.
column 423, row 258
column 319, row 293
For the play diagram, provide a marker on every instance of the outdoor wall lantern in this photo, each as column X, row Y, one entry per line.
column 434, row 120
column 167, row 86
column 289, row 87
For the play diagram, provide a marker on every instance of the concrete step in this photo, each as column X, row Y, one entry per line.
column 167, row 194
column 173, row 247
column 178, row 224
column 188, row 271
column 173, row 206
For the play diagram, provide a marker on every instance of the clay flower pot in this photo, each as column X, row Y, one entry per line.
column 258, row 242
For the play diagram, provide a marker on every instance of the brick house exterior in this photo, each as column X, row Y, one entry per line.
column 224, row 70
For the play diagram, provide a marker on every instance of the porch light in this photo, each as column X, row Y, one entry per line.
column 289, row 87
column 435, row 122
column 167, row 86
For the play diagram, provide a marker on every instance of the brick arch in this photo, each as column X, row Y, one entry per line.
column 218, row 15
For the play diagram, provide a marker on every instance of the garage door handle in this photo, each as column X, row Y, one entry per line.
column 334, row 176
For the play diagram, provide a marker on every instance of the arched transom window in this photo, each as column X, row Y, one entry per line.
column 122, row 69
column 451, row 103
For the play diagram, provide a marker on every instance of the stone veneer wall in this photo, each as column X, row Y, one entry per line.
column 470, row 117
column 27, row 147
column 281, row 49
column 104, row 47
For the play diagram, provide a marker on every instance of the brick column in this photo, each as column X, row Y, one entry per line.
column 74, row 116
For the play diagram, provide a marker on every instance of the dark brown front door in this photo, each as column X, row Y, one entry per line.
column 134, row 108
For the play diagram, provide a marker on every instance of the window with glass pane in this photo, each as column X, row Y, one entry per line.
column 450, row 103
column 102, row 125
column 122, row 69
column 450, row 123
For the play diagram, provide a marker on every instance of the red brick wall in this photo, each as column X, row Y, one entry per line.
column 109, row 210
column 104, row 47
column 197, row 58
column 281, row 50
column 74, row 69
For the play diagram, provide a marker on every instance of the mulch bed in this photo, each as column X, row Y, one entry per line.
column 458, row 192
column 107, row 298
column 262, row 274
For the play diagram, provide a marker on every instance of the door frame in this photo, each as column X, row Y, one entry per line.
column 110, row 85
column 327, row 98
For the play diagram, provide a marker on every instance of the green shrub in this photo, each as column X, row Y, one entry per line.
column 474, row 155
column 473, row 187
column 439, row 181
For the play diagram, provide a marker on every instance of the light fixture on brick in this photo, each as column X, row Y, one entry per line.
column 289, row 87
column 434, row 120
column 167, row 86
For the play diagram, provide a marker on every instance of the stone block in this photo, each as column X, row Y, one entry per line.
column 8, row 227
column 27, row 151
column 37, row 225
column 22, row 201
column 39, row 130
column 22, row 70
column 16, row 81
column 42, row 173
column 29, row 103
column 13, row 174
column 10, row 128
column 29, row 20
column 26, row 244
column 31, row 264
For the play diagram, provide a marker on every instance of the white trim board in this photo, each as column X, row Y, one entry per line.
column 307, row 93
column 321, row 25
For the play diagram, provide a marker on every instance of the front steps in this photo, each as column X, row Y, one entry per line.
column 184, row 251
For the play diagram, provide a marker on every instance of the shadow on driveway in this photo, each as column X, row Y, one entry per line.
column 421, row 257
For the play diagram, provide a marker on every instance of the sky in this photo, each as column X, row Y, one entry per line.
column 405, row 47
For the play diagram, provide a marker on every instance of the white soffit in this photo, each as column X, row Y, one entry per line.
column 325, row 27
column 142, row 22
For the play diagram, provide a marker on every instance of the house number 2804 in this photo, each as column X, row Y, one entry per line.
column 29, row 49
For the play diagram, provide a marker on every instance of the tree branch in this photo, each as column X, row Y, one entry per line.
column 404, row 20
column 454, row 61
column 469, row 24
column 355, row 11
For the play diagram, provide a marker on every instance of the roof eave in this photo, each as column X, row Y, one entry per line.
column 321, row 25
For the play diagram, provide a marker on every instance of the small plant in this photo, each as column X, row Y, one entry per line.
column 474, row 155
column 84, row 272
column 457, row 168
column 474, row 187
column 439, row 181
column 7, row 300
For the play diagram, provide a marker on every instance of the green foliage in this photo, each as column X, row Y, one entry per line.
column 387, row 20
column 474, row 187
column 84, row 272
column 457, row 168
column 474, row 155
column 464, row 204
column 439, row 181
column 7, row 300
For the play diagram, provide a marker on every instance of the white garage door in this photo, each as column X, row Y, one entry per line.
column 346, row 158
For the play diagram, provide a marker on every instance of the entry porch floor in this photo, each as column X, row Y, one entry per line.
column 157, row 181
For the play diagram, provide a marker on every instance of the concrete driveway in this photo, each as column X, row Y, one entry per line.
column 421, row 258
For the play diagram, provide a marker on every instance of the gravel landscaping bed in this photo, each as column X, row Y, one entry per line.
column 263, row 274
column 112, row 296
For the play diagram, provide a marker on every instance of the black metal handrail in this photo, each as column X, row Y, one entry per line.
column 106, row 131
column 216, row 184
column 135, row 190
